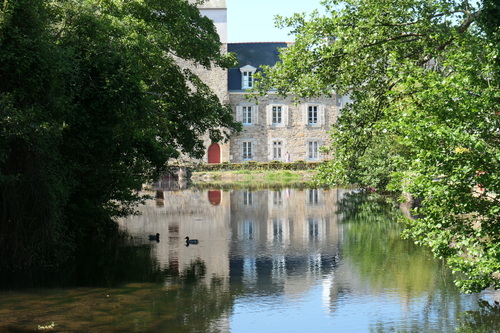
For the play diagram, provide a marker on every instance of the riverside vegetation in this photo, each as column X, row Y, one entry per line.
column 423, row 80
column 93, row 103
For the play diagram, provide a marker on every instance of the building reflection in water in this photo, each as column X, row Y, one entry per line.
column 274, row 240
column 285, row 235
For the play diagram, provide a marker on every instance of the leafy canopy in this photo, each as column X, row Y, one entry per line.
column 95, row 98
column 423, row 118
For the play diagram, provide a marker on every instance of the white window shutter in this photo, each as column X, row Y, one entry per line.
column 239, row 113
column 255, row 114
column 321, row 110
column 285, row 115
column 269, row 114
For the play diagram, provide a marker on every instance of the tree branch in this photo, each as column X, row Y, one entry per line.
column 418, row 21
column 393, row 39
column 470, row 18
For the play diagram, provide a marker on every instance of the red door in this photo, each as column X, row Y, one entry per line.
column 214, row 153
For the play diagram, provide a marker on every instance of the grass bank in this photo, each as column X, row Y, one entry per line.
column 252, row 178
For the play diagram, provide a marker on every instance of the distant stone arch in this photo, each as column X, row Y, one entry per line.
column 214, row 153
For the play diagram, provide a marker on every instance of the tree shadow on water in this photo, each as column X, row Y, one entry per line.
column 101, row 263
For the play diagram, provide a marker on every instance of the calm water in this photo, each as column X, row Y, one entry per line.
column 267, row 261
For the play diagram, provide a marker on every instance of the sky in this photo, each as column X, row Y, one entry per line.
column 253, row 20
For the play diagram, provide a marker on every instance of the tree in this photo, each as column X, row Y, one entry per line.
column 422, row 76
column 94, row 103
column 32, row 185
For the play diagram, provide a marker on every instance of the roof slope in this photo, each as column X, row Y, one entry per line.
column 211, row 4
column 253, row 54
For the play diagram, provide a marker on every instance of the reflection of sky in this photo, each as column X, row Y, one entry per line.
column 281, row 252
column 312, row 311
column 285, row 314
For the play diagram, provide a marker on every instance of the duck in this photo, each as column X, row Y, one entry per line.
column 154, row 237
column 191, row 241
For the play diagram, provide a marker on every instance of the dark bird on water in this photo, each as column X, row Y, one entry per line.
column 154, row 237
column 191, row 241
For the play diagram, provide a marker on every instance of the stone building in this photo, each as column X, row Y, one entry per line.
column 274, row 128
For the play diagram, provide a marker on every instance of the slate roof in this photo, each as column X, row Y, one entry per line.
column 211, row 4
column 253, row 54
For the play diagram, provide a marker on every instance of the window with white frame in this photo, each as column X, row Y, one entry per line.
column 313, row 150
column 312, row 114
column 247, row 115
column 247, row 73
column 277, row 114
column 247, row 150
column 277, row 149
column 247, row 80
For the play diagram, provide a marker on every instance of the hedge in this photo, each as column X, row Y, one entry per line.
column 275, row 165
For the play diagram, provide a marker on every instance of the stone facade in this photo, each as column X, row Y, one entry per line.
column 272, row 126
column 295, row 133
column 216, row 79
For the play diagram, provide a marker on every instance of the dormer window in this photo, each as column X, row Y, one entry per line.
column 247, row 80
column 247, row 73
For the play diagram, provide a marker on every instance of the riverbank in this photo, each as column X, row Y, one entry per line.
column 252, row 177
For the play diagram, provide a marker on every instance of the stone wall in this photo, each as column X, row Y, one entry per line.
column 216, row 79
column 295, row 133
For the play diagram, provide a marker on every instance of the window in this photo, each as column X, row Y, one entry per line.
column 313, row 150
column 277, row 148
column 247, row 149
column 247, row 80
column 247, row 115
column 312, row 114
column 277, row 114
column 247, row 73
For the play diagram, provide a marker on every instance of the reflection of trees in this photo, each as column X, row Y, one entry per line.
column 143, row 298
column 116, row 262
column 195, row 304
column 485, row 320
column 373, row 245
column 372, row 240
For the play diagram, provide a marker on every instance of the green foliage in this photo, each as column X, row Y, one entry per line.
column 422, row 77
column 284, row 176
column 94, row 101
column 32, row 176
